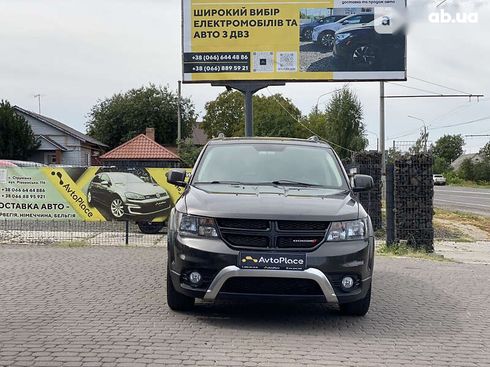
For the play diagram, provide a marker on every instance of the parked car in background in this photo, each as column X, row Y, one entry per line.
column 360, row 47
column 324, row 34
column 26, row 163
column 306, row 29
column 126, row 195
column 4, row 163
column 439, row 179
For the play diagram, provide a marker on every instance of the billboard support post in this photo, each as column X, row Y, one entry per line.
column 248, row 88
column 382, row 136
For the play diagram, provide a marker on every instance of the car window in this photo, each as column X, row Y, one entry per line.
column 96, row 179
column 265, row 163
column 353, row 20
column 104, row 177
column 367, row 18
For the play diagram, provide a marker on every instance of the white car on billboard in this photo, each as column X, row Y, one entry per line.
column 324, row 34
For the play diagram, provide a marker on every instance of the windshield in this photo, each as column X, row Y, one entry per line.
column 125, row 178
column 274, row 164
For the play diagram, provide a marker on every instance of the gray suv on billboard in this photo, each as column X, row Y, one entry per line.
column 126, row 195
column 270, row 218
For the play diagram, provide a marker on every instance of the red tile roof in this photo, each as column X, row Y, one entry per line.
column 140, row 148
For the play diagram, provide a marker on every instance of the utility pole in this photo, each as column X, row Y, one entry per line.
column 38, row 96
column 382, row 136
column 179, row 113
column 425, row 134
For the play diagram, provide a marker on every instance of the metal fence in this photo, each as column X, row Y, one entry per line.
column 77, row 233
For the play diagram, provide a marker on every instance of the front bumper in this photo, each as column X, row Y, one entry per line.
column 217, row 263
column 148, row 207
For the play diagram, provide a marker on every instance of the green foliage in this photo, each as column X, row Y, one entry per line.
column 121, row 117
column 341, row 123
column 189, row 152
column 441, row 165
column 475, row 171
column 446, row 150
column 420, row 145
column 273, row 116
column 17, row 141
column 485, row 151
column 392, row 155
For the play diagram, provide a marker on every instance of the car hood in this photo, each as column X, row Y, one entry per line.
column 142, row 188
column 270, row 202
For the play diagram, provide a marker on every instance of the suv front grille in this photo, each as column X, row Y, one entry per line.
column 266, row 234
column 272, row 286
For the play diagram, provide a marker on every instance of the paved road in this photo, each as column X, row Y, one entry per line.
column 465, row 199
column 105, row 306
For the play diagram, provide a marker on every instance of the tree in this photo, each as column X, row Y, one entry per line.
column 119, row 118
column 17, row 141
column 485, row 151
column 273, row 116
column 448, row 147
column 189, row 152
column 420, row 144
column 344, row 124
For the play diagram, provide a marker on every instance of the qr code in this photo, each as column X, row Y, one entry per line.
column 263, row 62
column 287, row 61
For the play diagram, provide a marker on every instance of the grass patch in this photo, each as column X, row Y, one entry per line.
column 70, row 244
column 478, row 221
column 406, row 251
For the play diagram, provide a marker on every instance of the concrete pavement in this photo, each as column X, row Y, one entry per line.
column 105, row 306
column 465, row 199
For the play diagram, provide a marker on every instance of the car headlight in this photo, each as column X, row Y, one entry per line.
column 134, row 196
column 342, row 36
column 192, row 226
column 347, row 231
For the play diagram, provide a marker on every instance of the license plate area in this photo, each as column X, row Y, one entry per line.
column 271, row 260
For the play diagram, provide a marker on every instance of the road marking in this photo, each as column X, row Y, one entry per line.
column 467, row 205
column 463, row 192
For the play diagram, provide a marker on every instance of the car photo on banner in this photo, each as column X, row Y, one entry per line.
column 128, row 196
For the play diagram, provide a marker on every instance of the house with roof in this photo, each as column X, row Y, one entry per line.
column 60, row 143
column 141, row 151
column 473, row 157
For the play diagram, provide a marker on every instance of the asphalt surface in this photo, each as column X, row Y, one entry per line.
column 476, row 201
column 105, row 306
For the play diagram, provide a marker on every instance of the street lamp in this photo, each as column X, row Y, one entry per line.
column 425, row 135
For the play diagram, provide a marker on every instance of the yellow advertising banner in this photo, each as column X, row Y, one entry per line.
column 86, row 194
column 277, row 40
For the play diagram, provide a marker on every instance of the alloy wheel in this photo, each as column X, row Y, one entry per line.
column 364, row 56
column 117, row 208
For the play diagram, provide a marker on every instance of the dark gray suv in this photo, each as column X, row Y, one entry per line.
column 270, row 219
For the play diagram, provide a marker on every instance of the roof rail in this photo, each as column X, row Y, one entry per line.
column 314, row 138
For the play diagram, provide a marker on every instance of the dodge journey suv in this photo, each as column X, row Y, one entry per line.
column 270, row 219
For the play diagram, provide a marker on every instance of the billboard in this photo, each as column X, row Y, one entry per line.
column 86, row 194
column 277, row 40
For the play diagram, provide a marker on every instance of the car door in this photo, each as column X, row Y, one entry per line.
column 105, row 189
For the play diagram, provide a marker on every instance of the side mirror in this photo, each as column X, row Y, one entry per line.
column 177, row 177
column 362, row 183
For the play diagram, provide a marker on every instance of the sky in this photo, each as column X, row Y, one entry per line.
column 76, row 52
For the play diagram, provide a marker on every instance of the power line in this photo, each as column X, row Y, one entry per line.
column 306, row 127
column 461, row 123
column 414, row 88
column 438, row 85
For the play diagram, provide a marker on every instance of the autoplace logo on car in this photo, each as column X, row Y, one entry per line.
column 282, row 260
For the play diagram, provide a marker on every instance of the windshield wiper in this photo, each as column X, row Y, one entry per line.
column 294, row 183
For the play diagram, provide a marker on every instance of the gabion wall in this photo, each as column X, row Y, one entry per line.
column 369, row 163
column 414, row 191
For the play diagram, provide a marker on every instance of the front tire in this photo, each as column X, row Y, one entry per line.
column 327, row 39
column 150, row 227
column 358, row 308
column 175, row 300
column 117, row 208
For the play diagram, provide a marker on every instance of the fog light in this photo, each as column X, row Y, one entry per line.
column 347, row 282
column 195, row 278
